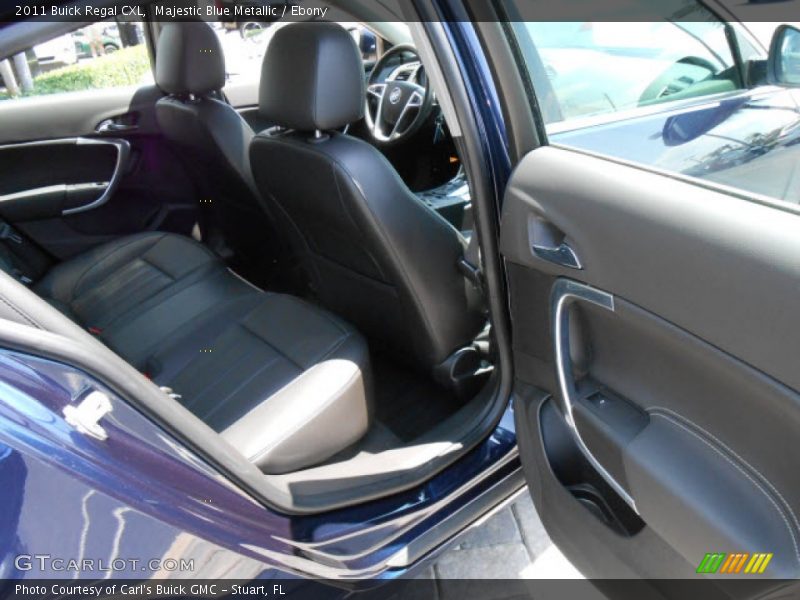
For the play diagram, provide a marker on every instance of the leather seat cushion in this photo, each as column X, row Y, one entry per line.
column 137, row 292
column 285, row 382
column 312, row 368
column 107, row 283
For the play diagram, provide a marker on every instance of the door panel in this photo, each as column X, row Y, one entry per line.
column 82, row 174
column 84, row 168
column 77, row 113
column 671, row 360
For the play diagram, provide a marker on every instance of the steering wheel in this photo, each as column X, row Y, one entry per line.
column 399, row 104
column 659, row 87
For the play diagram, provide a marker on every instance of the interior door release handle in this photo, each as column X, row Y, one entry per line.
column 119, row 124
column 562, row 255
column 110, row 126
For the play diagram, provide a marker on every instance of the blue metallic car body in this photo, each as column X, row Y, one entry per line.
column 141, row 494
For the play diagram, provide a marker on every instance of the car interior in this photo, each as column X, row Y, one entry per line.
column 304, row 293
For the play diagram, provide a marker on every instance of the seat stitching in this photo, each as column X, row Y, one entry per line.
column 159, row 269
column 219, row 376
column 379, row 229
column 277, row 350
column 335, row 346
column 91, row 299
column 162, row 295
column 229, row 395
column 20, row 312
column 758, row 485
column 114, row 252
column 346, row 210
column 743, row 461
column 327, row 316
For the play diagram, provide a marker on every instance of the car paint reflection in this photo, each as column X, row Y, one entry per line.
column 747, row 141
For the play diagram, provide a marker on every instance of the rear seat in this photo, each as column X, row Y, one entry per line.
column 285, row 382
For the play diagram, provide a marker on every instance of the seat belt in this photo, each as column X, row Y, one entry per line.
column 470, row 263
column 471, row 267
column 9, row 262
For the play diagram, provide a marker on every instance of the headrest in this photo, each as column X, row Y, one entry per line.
column 189, row 59
column 312, row 78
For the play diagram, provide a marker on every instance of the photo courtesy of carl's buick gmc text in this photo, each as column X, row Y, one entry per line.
column 399, row 299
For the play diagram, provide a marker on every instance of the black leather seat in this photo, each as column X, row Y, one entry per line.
column 374, row 252
column 285, row 382
column 212, row 139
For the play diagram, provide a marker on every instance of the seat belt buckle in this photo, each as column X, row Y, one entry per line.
column 470, row 272
column 7, row 233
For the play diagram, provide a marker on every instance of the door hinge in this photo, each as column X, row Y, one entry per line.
column 85, row 417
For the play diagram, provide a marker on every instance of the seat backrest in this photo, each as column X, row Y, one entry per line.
column 212, row 139
column 210, row 134
column 190, row 69
column 375, row 253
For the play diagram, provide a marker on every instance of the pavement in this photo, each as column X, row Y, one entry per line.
column 511, row 544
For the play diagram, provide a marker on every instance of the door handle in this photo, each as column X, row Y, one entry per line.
column 562, row 255
column 107, row 188
column 564, row 293
column 109, row 126
column 119, row 124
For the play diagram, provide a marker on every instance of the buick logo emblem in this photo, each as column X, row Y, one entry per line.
column 394, row 96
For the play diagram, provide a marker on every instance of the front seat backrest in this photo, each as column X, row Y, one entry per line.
column 212, row 138
column 374, row 252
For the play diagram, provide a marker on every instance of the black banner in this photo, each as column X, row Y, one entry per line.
column 83, row 11
column 400, row 589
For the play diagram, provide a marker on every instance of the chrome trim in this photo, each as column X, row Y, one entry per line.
column 376, row 90
column 123, row 151
column 53, row 142
column 411, row 68
column 375, row 123
column 111, row 126
column 562, row 255
column 85, row 417
column 565, row 292
column 31, row 193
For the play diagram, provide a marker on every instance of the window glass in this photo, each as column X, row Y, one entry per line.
column 594, row 68
column 244, row 44
column 665, row 94
column 102, row 55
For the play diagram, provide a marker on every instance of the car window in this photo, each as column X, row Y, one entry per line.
column 595, row 68
column 102, row 55
column 244, row 44
column 665, row 94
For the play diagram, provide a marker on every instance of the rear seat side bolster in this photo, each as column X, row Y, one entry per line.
column 310, row 419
